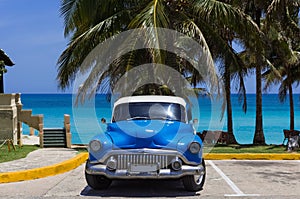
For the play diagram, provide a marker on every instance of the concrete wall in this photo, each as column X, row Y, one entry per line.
column 8, row 118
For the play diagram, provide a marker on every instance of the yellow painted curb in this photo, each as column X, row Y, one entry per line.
column 44, row 171
column 82, row 157
column 251, row 156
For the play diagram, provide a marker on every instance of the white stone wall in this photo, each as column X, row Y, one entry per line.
column 8, row 118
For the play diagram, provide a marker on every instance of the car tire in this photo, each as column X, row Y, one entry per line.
column 195, row 182
column 97, row 182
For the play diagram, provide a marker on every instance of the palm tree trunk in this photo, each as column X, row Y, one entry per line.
column 259, row 137
column 292, row 116
column 230, row 138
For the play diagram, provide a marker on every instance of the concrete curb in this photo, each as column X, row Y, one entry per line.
column 44, row 171
column 251, row 156
column 82, row 157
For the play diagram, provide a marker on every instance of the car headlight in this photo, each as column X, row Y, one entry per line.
column 95, row 145
column 194, row 147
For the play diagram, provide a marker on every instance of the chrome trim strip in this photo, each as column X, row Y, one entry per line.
column 161, row 152
column 99, row 169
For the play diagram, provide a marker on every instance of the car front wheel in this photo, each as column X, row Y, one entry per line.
column 195, row 182
column 97, row 182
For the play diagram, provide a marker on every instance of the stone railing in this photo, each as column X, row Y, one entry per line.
column 12, row 116
column 67, row 127
column 25, row 116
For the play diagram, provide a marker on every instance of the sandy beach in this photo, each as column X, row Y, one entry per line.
column 30, row 140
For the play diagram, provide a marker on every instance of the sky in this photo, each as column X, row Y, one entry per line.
column 31, row 33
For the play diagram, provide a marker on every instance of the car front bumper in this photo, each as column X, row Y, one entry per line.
column 100, row 169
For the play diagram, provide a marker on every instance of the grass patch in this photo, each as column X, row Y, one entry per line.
column 246, row 149
column 80, row 149
column 20, row 152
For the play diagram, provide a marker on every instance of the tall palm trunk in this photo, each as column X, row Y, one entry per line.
column 292, row 115
column 230, row 139
column 259, row 137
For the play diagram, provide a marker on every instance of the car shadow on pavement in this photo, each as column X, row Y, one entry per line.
column 141, row 188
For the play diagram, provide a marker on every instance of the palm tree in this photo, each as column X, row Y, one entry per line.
column 233, row 65
column 233, row 71
column 88, row 23
column 229, row 65
column 281, row 11
column 289, row 75
column 87, row 27
column 256, row 9
column 284, row 35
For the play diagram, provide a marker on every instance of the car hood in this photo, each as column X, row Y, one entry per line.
column 147, row 133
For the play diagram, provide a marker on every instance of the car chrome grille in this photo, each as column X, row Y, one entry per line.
column 142, row 159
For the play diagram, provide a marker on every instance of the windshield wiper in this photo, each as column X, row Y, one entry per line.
column 138, row 118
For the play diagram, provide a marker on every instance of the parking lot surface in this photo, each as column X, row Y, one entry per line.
column 225, row 179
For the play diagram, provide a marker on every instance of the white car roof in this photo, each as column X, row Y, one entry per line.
column 151, row 98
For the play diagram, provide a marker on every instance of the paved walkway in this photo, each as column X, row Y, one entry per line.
column 38, row 158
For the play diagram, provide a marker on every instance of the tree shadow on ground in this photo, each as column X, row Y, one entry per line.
column 141, row 188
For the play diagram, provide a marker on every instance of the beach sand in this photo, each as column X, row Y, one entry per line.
column 30, row 140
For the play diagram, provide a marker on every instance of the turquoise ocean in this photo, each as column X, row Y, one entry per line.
column 54, row 106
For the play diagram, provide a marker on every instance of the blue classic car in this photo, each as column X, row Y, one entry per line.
column 149, row 137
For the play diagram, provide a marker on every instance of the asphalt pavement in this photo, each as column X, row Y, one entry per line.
column 225, row 179
column 46, row 162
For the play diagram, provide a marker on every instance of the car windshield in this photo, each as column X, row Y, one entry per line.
column 149, row 111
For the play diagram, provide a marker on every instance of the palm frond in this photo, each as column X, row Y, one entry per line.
column 202, row 60
column 242, row 92
column 225, row 15
column 69, row 10
column 108, row 61
column 286, row 13
column 275, row 7
column 81, row 45
column 283, row 91
column 153, row 16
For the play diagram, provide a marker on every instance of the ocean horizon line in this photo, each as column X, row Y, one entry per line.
column 275, row 115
